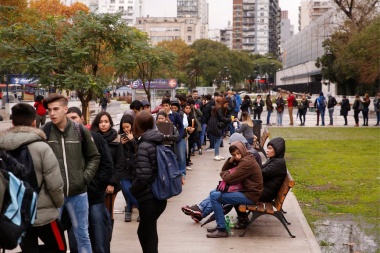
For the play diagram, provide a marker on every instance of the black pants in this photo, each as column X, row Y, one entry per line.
column 50, row 234
column 150, row 210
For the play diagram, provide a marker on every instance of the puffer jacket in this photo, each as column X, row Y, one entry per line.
column 146, row 164
column 274, row 170
column 45, row 165
column 129, row 170
column 247, row 173
column 77, row 169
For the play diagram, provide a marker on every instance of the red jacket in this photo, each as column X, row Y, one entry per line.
column 40, row 109
column 290, row 99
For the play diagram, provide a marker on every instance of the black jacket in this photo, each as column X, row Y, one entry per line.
column 274, row 170
column 97, row 187
column 129, row 171
column 146, row 164
column 212, row 125
column 245, row 105
column 206, row 110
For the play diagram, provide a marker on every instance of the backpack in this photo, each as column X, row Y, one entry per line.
column 18, row 204
column 168, row 182
column 321, row 102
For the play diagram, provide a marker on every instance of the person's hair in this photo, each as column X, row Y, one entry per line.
column 186, row 104
column 191, row 101
column 208, row 97
column 232, row 148
column 96, row 121
column 23, row 114
column 366, row 97
column 76, row 110
column 195, row 91
column 53, row 98
column 344, row 96
column 125, row 119
column 216, row 94
column 143, row 122
column 247, row 118
column 246, row 97
column 165, row 101
column 163, row 113
column 357, row 96
column 137, row 105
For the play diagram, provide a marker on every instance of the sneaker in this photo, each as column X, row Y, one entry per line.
column 218, row 234
column 192, row 210
column 128, row 217
column 188, row 168
column 210, row 149
column 197, row 218
column 138, row 219
column 222, row 158
column 217, row 158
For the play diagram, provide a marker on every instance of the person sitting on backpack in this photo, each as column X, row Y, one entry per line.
column 47, row 226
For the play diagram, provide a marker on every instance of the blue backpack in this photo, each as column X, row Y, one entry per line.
column 321, row 102
column 168, row 182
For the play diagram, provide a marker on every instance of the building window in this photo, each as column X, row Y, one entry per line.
column 189, row 29
column 188, row 38
column 112, row 1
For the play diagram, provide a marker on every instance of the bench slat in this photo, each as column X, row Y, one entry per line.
column 260, row 207
column 269, row 208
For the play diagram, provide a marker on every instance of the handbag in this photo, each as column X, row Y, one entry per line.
column 361, row 106
column 221, row 125
column 224, row 187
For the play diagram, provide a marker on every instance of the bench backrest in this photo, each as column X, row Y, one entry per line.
column 284, row 189
column 264, row 137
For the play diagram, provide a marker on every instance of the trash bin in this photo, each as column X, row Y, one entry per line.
column 257, row 128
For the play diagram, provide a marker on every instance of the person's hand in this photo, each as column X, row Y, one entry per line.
column 190, row 129
column 123, row 140
column 110, row 189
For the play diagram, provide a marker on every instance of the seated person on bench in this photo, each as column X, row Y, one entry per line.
column 273, row 172
column 241, row 168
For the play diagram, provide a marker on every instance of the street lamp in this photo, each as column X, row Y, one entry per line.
column 225, row 76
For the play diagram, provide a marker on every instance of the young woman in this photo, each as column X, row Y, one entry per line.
column 171, row 138
column 103, row 124
column 355, row 107
column 150, row 208
column 128, row 174
column 344, row 108
column 246, row 127
column 258, row 104
column 246, row 104
column 366, row 102
column 191, row 131
column 280, row 109
column 302, row 109
column 269, row 104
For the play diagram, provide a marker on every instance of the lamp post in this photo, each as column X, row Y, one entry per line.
column 225, row 76
column 7, row 87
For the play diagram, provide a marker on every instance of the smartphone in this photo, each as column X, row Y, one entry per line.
column 124, row 135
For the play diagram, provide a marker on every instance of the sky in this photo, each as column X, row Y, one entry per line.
column 220, row 11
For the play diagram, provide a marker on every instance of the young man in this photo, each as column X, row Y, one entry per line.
column 331, row 103
column 78, row 165
column 99, row 218
column 198, row 102
column 290, row 100
column 321, row 106
column 46, row 226
column 135, row 107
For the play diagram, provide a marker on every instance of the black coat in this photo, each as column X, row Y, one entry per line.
column 245, row 105
column 146, row 164
column 212, row 126
column 344, row 107
column 129, row 170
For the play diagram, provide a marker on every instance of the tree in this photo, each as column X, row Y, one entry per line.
column 76, row 54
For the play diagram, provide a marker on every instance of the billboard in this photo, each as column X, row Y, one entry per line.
column 155, row 84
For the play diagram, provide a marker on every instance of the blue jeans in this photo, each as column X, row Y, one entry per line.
column 279, row 117
column 181, row 156
column 323, row 116
column 231, row 128
column 99, row 229
column 77, row 207
column 202, row 137
column 218, row 199
column 331, row 114
column 217, row 141
column 268, row 116
column 378, row 117
column 128, row 196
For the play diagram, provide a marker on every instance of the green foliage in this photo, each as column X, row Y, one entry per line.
column 336, row 171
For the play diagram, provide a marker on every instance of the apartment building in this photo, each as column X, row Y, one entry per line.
column 311, row 10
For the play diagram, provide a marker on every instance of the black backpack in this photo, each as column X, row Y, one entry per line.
column 18, row 201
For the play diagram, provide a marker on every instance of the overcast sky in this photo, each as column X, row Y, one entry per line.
column 220, row 11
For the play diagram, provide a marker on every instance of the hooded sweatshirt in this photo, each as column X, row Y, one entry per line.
column 247, row 173
column 274, row 170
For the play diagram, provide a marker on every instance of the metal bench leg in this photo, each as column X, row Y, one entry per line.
column 255, row 215
column 283, row 216
column 279, row 216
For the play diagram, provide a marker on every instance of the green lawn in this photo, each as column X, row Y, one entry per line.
column 337, row 173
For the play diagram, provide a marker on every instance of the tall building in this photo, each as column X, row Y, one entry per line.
column 311, row 10
column 287, row 30
column 256, row 26
column 195, row 9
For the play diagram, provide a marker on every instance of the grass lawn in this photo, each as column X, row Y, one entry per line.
column 337, row 173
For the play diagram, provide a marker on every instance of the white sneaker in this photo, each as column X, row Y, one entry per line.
column 222, row 158
column 217, row 158
column 188, row 168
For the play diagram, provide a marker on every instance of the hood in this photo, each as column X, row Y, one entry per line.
column 241, row 147
column 237, row 137
column 17, row 136
column 130, row 112
column 278, row 144
column 152, row 135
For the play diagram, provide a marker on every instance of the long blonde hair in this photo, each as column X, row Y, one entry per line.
column 246, row 118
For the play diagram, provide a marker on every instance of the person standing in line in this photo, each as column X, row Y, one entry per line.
column 269, row 104
column 197, row 114
column 78, row 165
column 103, row 124
column 321, row 104
column 290, row 100
column 150, row 208
column 206, row 111
column 258, row 105
column 344, row 108
column 41, row 111
column 366, row 102
column 317, row 111
column 246, row 105
column 280, row 104
column 47, row 226
column 302, row 109
column 197, row 102
column 191, row 133
column 355, row 107
column 331, row 103
column 376, row 104
column 99, row 218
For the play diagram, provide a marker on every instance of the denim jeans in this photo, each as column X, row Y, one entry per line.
column 279, row 117
column 77, row 207
column 206, row 206
column 323, row 116
column 181, row 156
column 331, row 114
column 99, row 229
column 218, row 199
column 231, row 128
column 217, row 141
column 150, row 210
column 377, row 117
column 202, row 137
column 268, row 116
column 128, row 196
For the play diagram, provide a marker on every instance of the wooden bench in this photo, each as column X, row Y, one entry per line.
column 259, row 144
column 273, row 208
